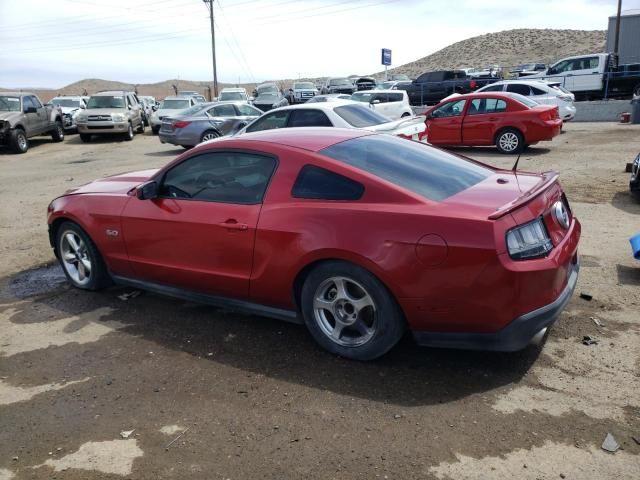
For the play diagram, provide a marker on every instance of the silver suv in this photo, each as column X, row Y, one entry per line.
column 111, row 112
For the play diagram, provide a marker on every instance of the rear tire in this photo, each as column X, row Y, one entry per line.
column 636, row 90
column 58, row 133
column 155, row 130
column 509, row 141
column 18, row 141
column 80, row 259
column 208, row 135
column 349, row 312
column 141, row 127
column 85, row 137
column 405, row 115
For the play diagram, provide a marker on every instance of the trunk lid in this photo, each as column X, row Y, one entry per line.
column 405, row 127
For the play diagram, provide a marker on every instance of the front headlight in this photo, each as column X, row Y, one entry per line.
column 117, row 117
column 529, row 241
column 81, row 117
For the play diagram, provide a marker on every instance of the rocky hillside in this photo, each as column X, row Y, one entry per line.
column 508, row 48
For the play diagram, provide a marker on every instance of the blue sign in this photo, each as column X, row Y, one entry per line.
column 386, row 56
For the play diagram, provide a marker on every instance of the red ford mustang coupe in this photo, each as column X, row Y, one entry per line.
column 358, row 235
column 508, row 121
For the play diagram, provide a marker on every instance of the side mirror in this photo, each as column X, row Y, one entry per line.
column 30, row 110
column 375, row 102
column 147, row 190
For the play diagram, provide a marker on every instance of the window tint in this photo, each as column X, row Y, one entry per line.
column 486, row 105
column 27, row 103
column 492, row 88
column 519, row 88
column 318, row 183
column 36, row 102
column 359, row 116
column 229, row 177
column 223, row 111
column 309, row 118
column 381, row 97
column 395, row 97
column 426, row 171
column 248, row 111
column 450, row 109
column 270, row 121
column 524, row 100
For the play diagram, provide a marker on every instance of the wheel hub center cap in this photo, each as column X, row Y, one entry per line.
column 346, row 312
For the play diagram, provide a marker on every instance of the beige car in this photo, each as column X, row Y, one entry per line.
column 111, row 112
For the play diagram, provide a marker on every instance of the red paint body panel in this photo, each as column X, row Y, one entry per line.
column 536, row 124
column 444, row 262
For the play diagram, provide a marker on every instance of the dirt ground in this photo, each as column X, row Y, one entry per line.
column 211, row 394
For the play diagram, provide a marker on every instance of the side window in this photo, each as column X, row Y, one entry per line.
column 450, row 109
column 246, row 110
column 562, row 66
column 225, row 110
column 129, row 102
column 537, row 91
column 309, row 118
column 227, row 177
column 493, row 88
column 395, row 97
column 36, row 102
column 27, row 103
column 381, row 97
column 519, row 88
column 486, row 105
column 501, row 106
column 320, row 184
column 425, row 77
column 270, row 121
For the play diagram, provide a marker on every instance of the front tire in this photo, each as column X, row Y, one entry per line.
column 85, row 137
column 155, row 130
column 349, row 312
column 141, row 127
column 80, row 260
column 509, row 141
column 18, row 141
column 129, row 135
column 58, row 133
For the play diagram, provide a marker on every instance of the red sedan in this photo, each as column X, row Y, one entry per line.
column 511, row 122
column 358, row 235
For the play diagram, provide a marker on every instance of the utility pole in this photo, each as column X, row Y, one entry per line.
column 213, row 47
column 617, row 39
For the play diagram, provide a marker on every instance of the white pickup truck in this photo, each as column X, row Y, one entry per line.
column 590, row 76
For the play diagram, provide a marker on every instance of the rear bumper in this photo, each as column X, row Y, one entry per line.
column 515, row 336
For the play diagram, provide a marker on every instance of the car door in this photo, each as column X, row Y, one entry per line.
column 586, row 74
column 269, row 121
column 199, row 233
column 32, row 121
column 481, row 121
column 444, row 124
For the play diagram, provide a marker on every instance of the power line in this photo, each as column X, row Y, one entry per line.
column 235, row 40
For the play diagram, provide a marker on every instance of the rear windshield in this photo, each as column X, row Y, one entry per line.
column 232, row 96
column 524, row 100
column 426, row 171
column 175, row 104
column 359, row 116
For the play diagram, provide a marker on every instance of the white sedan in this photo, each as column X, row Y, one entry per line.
column 540, row 91
column 341, row 114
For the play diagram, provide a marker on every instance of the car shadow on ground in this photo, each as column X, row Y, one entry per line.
column 408, row 375
column 626, row 202
column 33, row 143
column 100, row 139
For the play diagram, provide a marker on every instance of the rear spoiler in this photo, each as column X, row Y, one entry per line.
column 400, row 124
column 549, row 178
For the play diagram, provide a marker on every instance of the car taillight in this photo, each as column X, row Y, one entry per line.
column 530, row 240
column 566, row 98
column 180, row 124
column 473, row 84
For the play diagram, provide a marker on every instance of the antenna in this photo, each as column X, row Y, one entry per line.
column 515, row 165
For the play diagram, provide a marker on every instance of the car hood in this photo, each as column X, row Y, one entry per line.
column 267, row 100
column 69, row 109
column 115, row 184
column 10, row 115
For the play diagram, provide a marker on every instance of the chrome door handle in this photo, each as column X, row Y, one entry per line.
column 234, row 225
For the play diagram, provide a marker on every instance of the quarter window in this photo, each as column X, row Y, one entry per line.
column 225, row 110
column 395, row 97
column 226, row 177
column 270, row 121
column 247, row 111
column 320, row 184
column 450, row 109
column 519, row 88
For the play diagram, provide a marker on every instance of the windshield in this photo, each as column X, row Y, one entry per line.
column 175, row 104
column 194, row 110
column 267, row 96
column 266, row 89
column 362, row 97
column 106, row 101
column 65, row 102
column 303, row 85
column 232, row 96
column 359, row 116
column 429, row 172
column 403, row 77
column 339, row 81
column 524, row 100
column 9, row 104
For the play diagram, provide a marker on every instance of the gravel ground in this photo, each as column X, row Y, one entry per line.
column 214, row 394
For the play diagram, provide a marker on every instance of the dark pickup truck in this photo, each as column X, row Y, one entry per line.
column 431, row 87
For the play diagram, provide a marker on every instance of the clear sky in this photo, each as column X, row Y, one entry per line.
column 50, row 43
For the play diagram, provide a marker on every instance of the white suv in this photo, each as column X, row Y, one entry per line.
column 393, row 104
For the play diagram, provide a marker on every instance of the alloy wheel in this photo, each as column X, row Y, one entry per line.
column 75, row 257
column 345, row 311
column 508, row 141
column 209, row 136
column 21, row 138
